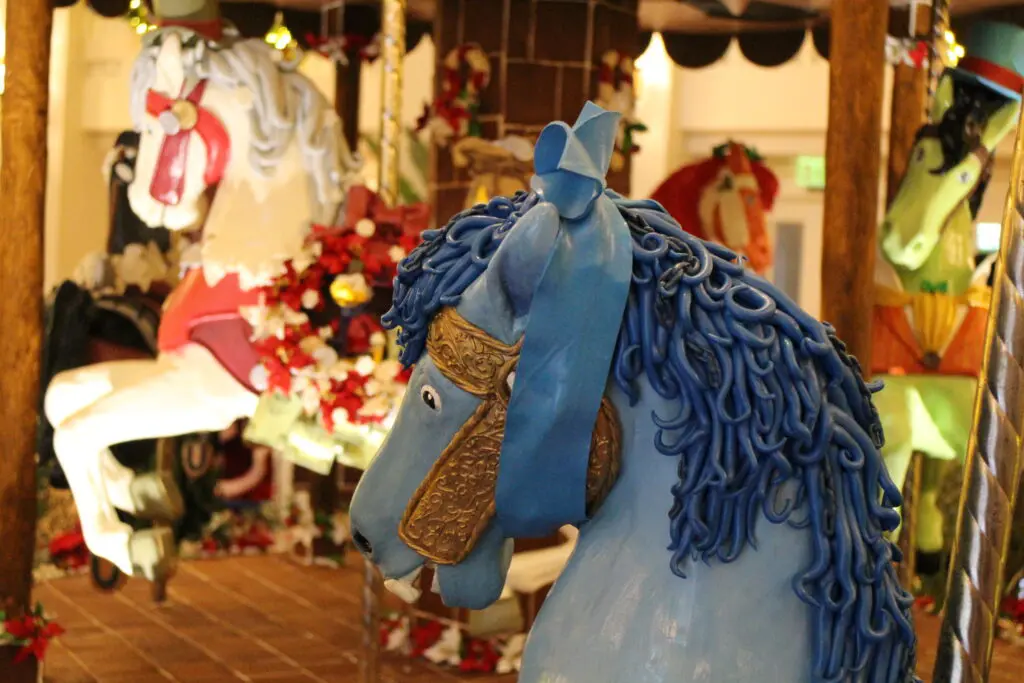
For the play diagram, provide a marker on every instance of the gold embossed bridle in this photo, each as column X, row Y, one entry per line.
column 453, row 506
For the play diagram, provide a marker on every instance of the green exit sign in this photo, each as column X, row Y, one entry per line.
column 810, row 172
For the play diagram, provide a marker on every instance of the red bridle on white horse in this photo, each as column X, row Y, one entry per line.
column 179, row 118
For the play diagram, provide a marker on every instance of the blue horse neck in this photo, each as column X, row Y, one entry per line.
column 642, row 622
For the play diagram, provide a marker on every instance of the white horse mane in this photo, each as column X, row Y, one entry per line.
column 285, row 104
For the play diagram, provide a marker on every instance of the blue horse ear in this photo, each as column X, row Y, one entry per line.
column 524, row 254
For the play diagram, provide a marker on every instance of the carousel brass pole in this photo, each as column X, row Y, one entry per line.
column 908, row 530
column 392, row 57
column 852, row 167
column 23, row 189
column 993, row 465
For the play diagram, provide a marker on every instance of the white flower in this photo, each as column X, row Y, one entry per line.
column 446, row 650
column 300, row 383
column 365, row 227
column 398, row 638
column 396, row 253
column 325, row 356
column 311, row 400
column 372, row 387
column 304, row 260
column 325, row 332
column 311, row 345
column 377, row 406
column 293, row 317
column 310, row 298
column 339, row 416
column 511, row 655
column 365, row 366
column 378, row 340
column 259, row 378
column 387, row 370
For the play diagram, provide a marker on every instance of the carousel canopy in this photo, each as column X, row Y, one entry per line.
column 697, row 33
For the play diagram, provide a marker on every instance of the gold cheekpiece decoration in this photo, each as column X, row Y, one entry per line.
column 451, row 509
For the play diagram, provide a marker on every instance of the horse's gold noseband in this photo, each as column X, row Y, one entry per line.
column 453, row 506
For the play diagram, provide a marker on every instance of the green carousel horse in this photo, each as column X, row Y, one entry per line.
column 932, row 296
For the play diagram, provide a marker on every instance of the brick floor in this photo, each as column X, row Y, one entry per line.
column 265, row 620
column 259, row 619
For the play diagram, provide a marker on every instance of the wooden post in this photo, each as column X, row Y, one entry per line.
column 347, row 80
column 23, row 188
column 852, row 164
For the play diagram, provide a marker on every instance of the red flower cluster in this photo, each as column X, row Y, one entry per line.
column 1013, row 608
column 479, row 656
column 33, row 633
column 461, row 85
column 68, row 550
column 370, row 242
column 339, row 47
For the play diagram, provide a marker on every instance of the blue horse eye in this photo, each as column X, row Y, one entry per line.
column 431, row 398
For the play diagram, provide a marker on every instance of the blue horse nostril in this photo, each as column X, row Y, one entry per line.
column 362, row 545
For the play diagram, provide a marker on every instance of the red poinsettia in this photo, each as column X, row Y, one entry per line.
column 69, row 550
column 424, row 636
column 479, row 656
column 33, row 632
column 1013, row 608
column 344, row 262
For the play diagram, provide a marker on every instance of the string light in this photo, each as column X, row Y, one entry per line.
column 138, row 18
column 954, row 50
column 279, row 36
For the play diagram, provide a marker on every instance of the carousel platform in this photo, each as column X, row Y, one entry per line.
column 266, row 619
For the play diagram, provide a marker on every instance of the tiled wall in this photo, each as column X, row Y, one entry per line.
column 544, row 58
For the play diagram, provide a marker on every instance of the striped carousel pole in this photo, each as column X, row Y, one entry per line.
column 392, row 52
column 993, row 465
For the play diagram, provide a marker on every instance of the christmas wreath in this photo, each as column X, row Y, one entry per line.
column 616, row 91
column 337, row 375
column 31, row 633
column 466, row 72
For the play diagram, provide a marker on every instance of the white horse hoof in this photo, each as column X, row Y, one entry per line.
column 154, row 553
column 156, row 497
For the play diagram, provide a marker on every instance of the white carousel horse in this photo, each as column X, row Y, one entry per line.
column 238, row 143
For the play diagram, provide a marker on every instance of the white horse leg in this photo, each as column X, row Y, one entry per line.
column 180, row 393
column 68, row 393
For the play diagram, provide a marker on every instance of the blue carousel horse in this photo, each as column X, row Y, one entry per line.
column 579, row 359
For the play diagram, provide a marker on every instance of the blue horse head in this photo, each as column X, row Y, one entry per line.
column 579, row 359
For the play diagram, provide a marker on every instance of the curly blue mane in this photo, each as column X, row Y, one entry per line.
column 767, row 396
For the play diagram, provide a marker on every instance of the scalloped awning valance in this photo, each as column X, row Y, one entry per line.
column 697, row 33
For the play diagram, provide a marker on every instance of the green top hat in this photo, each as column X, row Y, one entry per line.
column 202, row 16
column 994, row 58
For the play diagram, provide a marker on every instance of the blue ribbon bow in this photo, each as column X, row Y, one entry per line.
column 570, row 337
